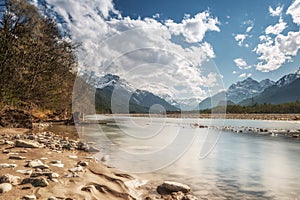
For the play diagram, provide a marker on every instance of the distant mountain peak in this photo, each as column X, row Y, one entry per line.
column 287, row 79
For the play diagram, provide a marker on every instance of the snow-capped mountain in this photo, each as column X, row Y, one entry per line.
column 246, row 89
column 237, row 92
column 112, row 86
column 283, row 91
column 287, row 79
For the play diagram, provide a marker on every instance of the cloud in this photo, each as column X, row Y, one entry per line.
column 244, row 75
column 275, row 12
column 275, row 51
column 240, row 38
column 240, row 63
column 294, row 11
column 157, row 15
column 141, row 50
column 277, row 28
column 194, row 29
column 249, row 28
column 234, row 72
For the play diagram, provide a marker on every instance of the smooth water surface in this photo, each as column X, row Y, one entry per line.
column 240, row 166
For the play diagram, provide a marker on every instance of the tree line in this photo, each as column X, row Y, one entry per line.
column 285, row 108
column 36, row 62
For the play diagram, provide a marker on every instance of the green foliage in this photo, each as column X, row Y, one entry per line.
column 35, row 61
column 293, row 107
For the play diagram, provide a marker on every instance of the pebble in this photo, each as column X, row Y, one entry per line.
column 36, row 182
column 76, row 169
column 8, row 178
column 5, row 187
column 83, row 163
column 73, row 156
column 5, row 165
column 29, row 197
column 17, row 157
column 26, row 172
column 27, row 144
column 37, row 164
column 9, row 142
column 171, row 186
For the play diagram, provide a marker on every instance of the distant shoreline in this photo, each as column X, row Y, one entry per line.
column 280, row 117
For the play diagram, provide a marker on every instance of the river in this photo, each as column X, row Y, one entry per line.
column 217, row 164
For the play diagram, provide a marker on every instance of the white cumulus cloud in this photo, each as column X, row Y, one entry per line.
column 275, row 51
column 194, row 29
column 241, row 63
column 294, row 11
column 240, row 38
column 277, row 28
column 141, row 50
column 275, row 12
column 244, row 75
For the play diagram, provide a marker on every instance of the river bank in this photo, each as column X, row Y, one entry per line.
column 45, row 165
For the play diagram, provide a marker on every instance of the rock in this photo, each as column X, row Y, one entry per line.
column 52, row 198
column 27, row 144
column 5, row 151
column 5, row 187
column 105, row 158
column 76, row 169
column 26, row 172
column 36, row 182
column 21, row 151
column 37, row 164
column 60, row 165
column 54, row 175
column 9, row 142
column 29, row 197
column 5, row 165
column 8, row 178
column 17, row 157
column 177, row 195
column 93, row 149
column 41, row 173
column 73, row 156
column 170, row 186
column 83, row 163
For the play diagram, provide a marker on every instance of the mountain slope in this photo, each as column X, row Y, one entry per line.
column 114, row 94
column 285, row 90
column 237, row 92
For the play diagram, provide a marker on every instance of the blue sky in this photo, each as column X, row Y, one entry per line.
column 162, row 46
column 234, row 17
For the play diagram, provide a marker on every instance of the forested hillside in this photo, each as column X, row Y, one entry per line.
column 36, row 63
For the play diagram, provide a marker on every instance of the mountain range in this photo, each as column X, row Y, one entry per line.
column 114, row 94
column 249, row 91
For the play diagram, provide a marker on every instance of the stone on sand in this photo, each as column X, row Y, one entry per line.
column 37, row 164
column 5, row 187
column 172, row 186
column 8, row 178
column 30, row 197
column 6, row 165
